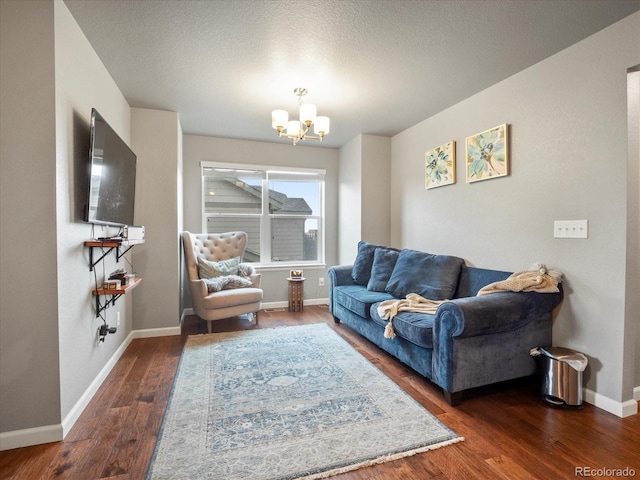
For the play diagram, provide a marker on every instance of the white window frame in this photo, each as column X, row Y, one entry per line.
column 265, row 216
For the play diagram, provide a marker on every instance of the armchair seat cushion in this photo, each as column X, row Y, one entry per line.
column 232, row 298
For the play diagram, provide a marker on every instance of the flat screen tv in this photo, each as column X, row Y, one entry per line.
column 112, row 182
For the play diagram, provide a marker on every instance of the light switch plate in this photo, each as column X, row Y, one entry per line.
column 570, row 229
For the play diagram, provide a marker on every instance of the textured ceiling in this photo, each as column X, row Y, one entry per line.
column 372, row 66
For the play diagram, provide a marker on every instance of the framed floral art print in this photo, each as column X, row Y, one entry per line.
column 488, row 154
column 440, row 165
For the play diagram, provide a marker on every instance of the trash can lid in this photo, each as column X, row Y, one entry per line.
column 576, row 359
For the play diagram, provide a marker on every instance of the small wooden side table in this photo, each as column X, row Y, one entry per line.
column 296, row 294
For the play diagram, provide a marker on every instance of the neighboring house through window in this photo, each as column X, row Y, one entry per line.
column 281, row 209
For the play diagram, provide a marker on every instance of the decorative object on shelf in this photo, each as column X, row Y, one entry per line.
column 111, row 284
column 488, row 154
column 298, row 130
column 440, row 165
column 112, row 295
column 295, row 273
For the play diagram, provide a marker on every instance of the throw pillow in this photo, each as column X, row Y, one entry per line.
column 384, row 260
column 246, row 270
column 434, row 277
column 361, row 272
column 209, row 269
column 227, row 282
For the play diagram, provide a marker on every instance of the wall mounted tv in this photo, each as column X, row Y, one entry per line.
column 112, row 176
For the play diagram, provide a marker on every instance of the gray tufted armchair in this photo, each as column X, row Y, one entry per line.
column 225, row 303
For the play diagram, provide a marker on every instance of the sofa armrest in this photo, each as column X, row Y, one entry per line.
column 338, row 276
column 495, row 313
column 483, row 340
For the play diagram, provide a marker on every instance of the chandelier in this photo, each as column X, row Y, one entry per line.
column 298, row 130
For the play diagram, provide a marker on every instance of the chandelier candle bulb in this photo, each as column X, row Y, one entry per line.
column 321, row 126
column 279, row 119
column 293, row 127
column 307, row 114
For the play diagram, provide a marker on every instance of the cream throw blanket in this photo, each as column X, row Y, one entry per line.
column 412, row 303
column 538, row 278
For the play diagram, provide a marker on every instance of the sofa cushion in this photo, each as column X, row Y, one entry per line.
column 414, row 327
column 384, row 260
column 364, row 261
column 357, row 299
column 472, row 279
column 432, row 276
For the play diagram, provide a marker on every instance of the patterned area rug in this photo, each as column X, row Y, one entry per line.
column 285, row 403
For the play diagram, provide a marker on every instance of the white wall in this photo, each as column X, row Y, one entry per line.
column 51, row 356
column 568, row 118
column 29, row 373
column 350, row 205
column 364, row 194
column 376, row 191
column 156, row 140
column 197, row 149
column 82, row 83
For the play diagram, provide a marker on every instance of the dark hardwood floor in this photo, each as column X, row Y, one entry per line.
column 509, row 433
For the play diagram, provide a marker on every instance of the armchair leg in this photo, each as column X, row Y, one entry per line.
column 255, row 317
column 209, row 326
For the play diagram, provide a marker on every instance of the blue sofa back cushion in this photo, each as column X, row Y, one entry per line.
column 361, row 272
column 384, row 260
column 432, row 276
column 472, row 279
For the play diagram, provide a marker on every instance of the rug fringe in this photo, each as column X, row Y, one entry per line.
column 380, row 460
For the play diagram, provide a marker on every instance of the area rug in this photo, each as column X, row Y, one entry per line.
column 285, row 403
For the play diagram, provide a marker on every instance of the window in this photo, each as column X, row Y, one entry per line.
column 282, row 210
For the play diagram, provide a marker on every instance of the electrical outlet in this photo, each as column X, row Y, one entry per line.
column 117, row 319
column 321, row 282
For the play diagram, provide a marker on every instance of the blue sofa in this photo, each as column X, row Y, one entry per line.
column 469, row 342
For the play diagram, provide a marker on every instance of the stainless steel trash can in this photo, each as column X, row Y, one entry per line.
column 561, row 370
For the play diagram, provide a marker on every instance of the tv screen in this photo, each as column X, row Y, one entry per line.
column 112, row 177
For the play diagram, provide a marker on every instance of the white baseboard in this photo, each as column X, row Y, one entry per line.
column 268, row 305
column 636, row 394
column 620, row 409
column 156, row 332
column 285, row 304
column 185, row 312
column 56, row 433
column 30, row 436
column 86, row 397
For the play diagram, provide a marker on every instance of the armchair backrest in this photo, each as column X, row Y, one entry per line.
column 212, row 246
